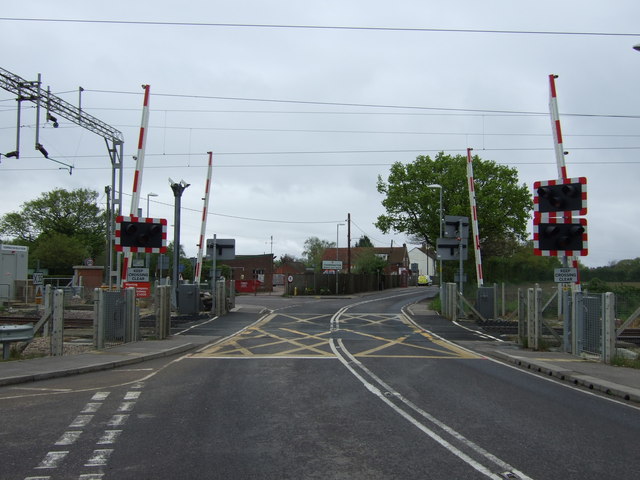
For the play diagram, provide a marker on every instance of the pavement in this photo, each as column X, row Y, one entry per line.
column 618, row 382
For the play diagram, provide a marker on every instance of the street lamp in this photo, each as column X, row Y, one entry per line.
column 150, row 194
column 435, row 185
column 337, row 258
column 178, row 188
column 637, row 47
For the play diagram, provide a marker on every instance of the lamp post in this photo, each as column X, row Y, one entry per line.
column 435, row 185
column 150, row 194
column 177, row 188
column 337, row 258
column 637, row 47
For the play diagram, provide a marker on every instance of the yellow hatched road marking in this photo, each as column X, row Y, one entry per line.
column 296, row 348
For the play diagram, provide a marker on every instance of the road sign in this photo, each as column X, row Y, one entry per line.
column 332, row 264
column 290, row 278
column 137, row 274
column 565, row 275
column 143, row 289
column 38, row 278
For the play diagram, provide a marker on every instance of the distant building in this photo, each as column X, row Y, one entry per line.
column 397, row 258
column 253, row 267
column 425, row 258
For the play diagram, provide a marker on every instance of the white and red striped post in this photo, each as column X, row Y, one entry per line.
column 203, row 228
column 137, row 176
column 474, row 218
column 559, row 148
column 555, row 127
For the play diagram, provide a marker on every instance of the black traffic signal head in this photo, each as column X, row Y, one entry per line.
column 560, row 239
column 141, row 235
column 561, row 197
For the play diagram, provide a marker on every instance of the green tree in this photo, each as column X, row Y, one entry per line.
column 73, row 214
column 368, row 262
column 412, row 206
column 59, row 252
column 364, row 241
column 313, row 250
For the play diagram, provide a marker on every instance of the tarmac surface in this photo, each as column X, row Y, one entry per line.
column 616, row 382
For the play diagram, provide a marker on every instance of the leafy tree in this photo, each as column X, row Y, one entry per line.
column 72, row 214
column 368, row 262
column 59, row 252
column 364, row 241
column 285, row 259
column 413, row 207
column 313, row 250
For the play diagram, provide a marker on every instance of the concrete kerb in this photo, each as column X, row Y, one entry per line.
column 578, row 379
column 95, row 367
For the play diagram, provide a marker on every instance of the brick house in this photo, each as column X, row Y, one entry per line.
column 397, row 258
column 253, row 267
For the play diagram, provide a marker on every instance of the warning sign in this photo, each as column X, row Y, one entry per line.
column 143, row 289
column 565, row 275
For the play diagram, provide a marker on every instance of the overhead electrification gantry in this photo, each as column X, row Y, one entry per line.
column 31, row 91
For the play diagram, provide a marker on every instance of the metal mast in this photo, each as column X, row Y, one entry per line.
column 32, row 92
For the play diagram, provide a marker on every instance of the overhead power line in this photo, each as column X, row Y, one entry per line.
column 320, row 27
column 477, row 111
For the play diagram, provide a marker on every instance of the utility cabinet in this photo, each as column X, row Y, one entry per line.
column 13, row 271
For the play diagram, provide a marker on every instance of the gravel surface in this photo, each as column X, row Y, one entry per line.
column 40, row 347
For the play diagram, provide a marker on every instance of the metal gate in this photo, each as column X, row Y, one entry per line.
column 594, row 325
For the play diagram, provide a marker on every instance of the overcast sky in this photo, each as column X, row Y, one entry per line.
column 303, row 120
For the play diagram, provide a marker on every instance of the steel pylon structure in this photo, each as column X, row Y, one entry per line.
column 31, row 91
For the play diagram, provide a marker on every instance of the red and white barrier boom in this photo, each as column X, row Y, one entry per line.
column 474, row 218
column 137, row 176
column 203, row 228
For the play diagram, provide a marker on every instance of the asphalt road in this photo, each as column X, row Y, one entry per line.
column 329, row 388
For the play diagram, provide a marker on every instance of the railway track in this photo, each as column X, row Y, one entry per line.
column 68, row 322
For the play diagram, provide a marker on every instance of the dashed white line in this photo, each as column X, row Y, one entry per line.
column 81, row 421
column 99, row 458
column 91, row 407
column 132, row 395
column 52, row 459
column 109, row 437
column 69, row 438
column 126, row 406
column 100, row 396
column 117, row 420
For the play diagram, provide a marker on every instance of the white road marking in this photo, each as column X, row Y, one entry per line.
column 81, row 421
column 109, row 437
column 52, row 459
column 91, row 476
column 38, row 478
column 99, row 458
column 100, row 396
column 126, row 406
column 132, row 395
column 69, row 438
column 350, row 361
column 91, row 407
column 117, row 420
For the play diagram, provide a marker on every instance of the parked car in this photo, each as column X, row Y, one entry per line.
column 424, row 281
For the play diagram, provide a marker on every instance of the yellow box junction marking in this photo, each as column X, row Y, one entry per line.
column 280, row 340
